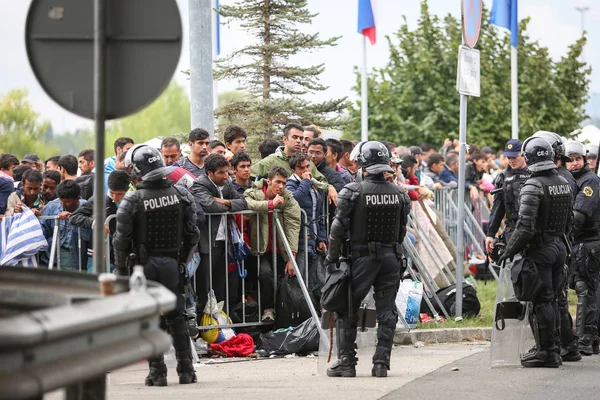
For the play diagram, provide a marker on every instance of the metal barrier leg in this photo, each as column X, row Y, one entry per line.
column 430, row 283
column 425, row 296
column 55, row 238
column 428, row 247
column 79, row 248
column 311, row 306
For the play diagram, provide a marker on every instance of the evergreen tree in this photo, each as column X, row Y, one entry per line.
column 277, row 91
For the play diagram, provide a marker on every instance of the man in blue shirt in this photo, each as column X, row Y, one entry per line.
column 69, row 199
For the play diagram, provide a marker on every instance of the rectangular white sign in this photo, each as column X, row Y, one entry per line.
column 468, row 72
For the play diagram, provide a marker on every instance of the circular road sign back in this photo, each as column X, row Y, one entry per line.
column 471, row 20
column 143, row 44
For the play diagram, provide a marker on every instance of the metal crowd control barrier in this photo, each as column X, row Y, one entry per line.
column 429, row 283
column 431, row 250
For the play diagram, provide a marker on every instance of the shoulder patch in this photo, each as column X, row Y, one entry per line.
column 588, row 191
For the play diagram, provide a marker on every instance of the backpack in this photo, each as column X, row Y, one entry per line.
column 470, row 305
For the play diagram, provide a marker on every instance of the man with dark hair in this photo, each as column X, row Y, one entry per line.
column 83, row 217
column 310, row 200
column 69, row 199
column 409, row 171
column 241, row 164
column 86, row 180
column 198, row 140
column 267, row 147
column 29, row 195
column 344, row 161
column 8, row 162
column 51, row 164
column 235, row 138
column 265, row 196
column 216, row 147
column 121, row 146
column 427, row 149
column 474, row 170
column 67, row 165
column 292, row 142
column 170, row 148
column 310, row 132
column 215, row 194
column 51, row 180
column 317, row 150
column 435, row 166
column 335, row 152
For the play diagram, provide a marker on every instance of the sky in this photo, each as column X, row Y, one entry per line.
column 555, row 23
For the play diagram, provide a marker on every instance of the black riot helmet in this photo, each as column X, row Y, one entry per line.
column 557, row 142
column 538, row 154
column 146, row 163
column 372, row 156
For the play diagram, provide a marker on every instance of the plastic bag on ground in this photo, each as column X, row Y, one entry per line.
column 214, row 316
column 408, row 302
column 301, row 339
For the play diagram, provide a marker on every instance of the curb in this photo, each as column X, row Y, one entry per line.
column 448, row 335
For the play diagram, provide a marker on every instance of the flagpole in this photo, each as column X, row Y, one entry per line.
column 514, row 92
column 216, row 28
column 364, row 134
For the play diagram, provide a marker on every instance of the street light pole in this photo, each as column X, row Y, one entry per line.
column 582, row 10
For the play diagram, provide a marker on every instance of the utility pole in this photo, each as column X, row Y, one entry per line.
column 582, row 10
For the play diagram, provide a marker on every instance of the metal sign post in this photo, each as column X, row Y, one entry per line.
column 103, row 59
column 471, row 25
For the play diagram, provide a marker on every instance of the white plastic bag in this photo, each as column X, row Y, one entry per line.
column 215, row 316
column 408, row 302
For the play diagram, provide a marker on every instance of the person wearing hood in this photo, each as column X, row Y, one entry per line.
column 156, row 228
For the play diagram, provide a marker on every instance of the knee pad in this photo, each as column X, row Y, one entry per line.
column 581, row 288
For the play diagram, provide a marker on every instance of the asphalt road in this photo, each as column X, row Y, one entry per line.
column 476, row 380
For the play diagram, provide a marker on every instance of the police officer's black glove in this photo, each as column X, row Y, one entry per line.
column 503, row 257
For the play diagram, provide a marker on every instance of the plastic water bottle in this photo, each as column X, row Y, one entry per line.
column 137, row 281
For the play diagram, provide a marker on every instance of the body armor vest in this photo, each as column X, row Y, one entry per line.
column 555, row 205
column 159, row 223
column 513, row 181
column 378, row 213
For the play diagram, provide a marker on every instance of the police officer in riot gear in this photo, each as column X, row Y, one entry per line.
column 585, row 259
column 156, row 225
column 545, row 208
column 508, row 186
column 375, row 211
column 566, row 340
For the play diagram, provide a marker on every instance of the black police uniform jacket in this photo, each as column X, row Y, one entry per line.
column 586, row 210
column 506, row 202
column 374, row 210
column 157, row 219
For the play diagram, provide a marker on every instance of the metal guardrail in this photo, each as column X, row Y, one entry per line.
column 56, row 331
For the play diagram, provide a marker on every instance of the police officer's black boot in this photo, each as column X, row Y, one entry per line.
column 545, row 354
column 345, row 366
column 158, row 372
column 596, row 345
column 586, row 342
column 569, row 350
column 386, row 327
column 181, row 341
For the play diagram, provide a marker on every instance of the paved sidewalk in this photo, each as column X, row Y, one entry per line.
column 288, row 378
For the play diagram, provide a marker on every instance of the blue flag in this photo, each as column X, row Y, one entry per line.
column 505, row 15
column 366, row 20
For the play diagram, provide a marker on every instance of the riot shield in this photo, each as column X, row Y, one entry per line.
column 511, row 331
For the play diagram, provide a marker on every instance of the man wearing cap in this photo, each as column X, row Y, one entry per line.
column 508, row 185
column 33, row 161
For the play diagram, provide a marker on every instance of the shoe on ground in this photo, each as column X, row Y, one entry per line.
column 156, row 378
column 541, row 359
column 570, row 353
column 342, row 368
column 585, row 348
column 379, row 370
column 268, row 315
column 186, row 372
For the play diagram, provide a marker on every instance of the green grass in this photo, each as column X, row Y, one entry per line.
column 487, row 297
